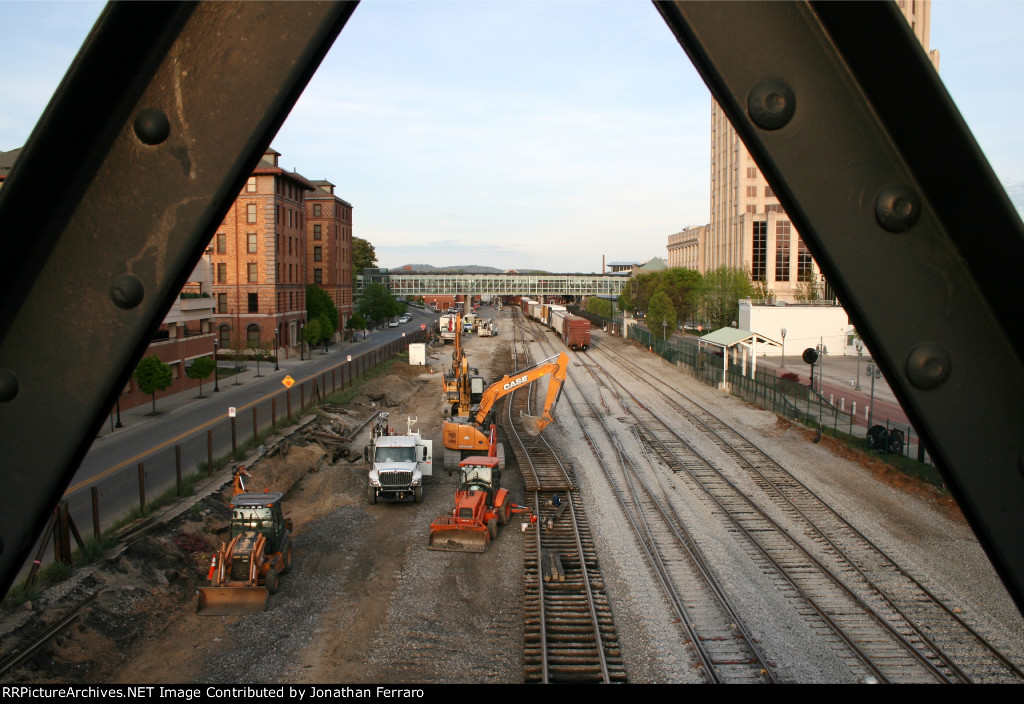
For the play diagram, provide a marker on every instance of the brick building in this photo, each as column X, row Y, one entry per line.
column 260, row 262
column 329, row 247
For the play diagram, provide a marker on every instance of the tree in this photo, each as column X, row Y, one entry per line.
column 153, row 375
column 319, row 302
column 357, row 322
column 637, row 292
column 200, row 369
column 377, row 302
column 683, row 287
column 261, row 353
column 326, row 329
column 599, row 306
column 723, row 288
column 363, row 255
column 661, row 316
column 311, row 333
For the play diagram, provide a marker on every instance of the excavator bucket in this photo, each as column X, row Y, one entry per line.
column 231, row 601
column 532, row 424
column 447, row 535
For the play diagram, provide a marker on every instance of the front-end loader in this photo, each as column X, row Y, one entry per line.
column 481, row 505
column 250, row 565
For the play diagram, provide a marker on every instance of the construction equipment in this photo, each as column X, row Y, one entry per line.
column 481, row 505
column 250, row 565
column 449, row 325
column 487, row 328
column 464, row 433
column 400, row 463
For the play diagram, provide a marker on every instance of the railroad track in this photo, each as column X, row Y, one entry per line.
column 569, row 629
column 942, row 641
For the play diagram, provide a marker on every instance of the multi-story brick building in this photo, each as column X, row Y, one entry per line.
column 329, row 247
column 259, row 261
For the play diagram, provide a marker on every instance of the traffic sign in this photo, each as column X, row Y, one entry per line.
column 423, row 326
column 231, row 411
column 288, row 381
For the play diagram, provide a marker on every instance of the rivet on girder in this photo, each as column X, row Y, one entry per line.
column 152, row 126
column 928, row 366
column 127, row 291
column 771, row 104
column 897, row 208
column 8, row 385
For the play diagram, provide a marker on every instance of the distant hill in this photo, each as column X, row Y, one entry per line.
column 470, row 269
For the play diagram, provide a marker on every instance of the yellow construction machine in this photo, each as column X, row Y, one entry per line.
column 464, row 433
column 250, row 565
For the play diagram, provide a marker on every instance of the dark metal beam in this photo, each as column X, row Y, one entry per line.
column 842, row 110
column 136, row 161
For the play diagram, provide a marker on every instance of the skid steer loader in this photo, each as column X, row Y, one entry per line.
column 250, row 565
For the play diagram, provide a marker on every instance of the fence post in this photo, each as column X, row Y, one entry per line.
column 288, row 397
column 177, row 467
column 234, row 435
column 209, row 451
column 142, row 488
column 302, row 397
column 95, row 512
column 273, row 414
column 255, row 424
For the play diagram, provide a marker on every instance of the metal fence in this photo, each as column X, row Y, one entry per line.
column 94, row 508
column 797, row 401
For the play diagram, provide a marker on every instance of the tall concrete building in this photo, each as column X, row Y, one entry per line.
column 749, row 228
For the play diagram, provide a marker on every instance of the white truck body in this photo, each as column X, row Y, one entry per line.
column 447, row 326
column 400, row 463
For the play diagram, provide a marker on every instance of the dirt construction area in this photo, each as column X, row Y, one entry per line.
column 365, row 601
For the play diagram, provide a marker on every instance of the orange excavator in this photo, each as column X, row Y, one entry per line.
column 481, row 505
column 464, row 433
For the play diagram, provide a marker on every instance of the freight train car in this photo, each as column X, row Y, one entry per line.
column 574, row 330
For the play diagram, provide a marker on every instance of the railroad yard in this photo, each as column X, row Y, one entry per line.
column 703, row 520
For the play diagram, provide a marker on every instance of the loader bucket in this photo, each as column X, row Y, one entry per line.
column 445, row 535
column 531, row 424
column 231, row 601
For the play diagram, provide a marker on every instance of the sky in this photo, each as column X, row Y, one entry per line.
column 530, row 135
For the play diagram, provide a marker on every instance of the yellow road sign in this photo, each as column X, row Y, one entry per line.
column 288, row 381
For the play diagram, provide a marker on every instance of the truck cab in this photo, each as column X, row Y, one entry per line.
column 399, row 464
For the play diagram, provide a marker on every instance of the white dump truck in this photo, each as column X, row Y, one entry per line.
column 400, row 463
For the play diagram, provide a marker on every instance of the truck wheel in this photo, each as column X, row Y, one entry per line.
column 492, row 528
column 272, row 581
column 287, row 567
column 417, row 494
column 371, row 494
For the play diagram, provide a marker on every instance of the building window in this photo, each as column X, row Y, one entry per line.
column 222, row 243
column 252, row 243
column 253, row 273
column 782, row 250
column 250, row 185
column 751, row 191
column 250, row 212
column 317, row 210
column 222, row 303
column 760, row 251
column 318, row 254
column 751, row 208
column 768, row 192
column 804, row 263
column 254, row 303
column 222, row 273
column 773, row 208
column 318, row 276
column 224, row 334
column 316, row 232
column 751, row 172
column 252, row 335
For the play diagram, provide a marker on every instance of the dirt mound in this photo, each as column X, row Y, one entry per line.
column 391, row 390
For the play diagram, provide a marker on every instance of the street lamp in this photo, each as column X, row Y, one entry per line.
column 784, row 331
column 664, row 331
column 860, row 351
column 216, row 365
column 302, row 326
column 277, row 334
column 118, row 424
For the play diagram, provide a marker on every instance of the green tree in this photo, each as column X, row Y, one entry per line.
column 311, row 333
column 319, row 302
column 326, row 329
column 723, row 288
column 377, row 302
column 637, row 292
column 200, row 369
column 357, row 322
column 363, row 255
column 661, row 315
column 599, row 306
column 683, row 287
column 153, row 375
